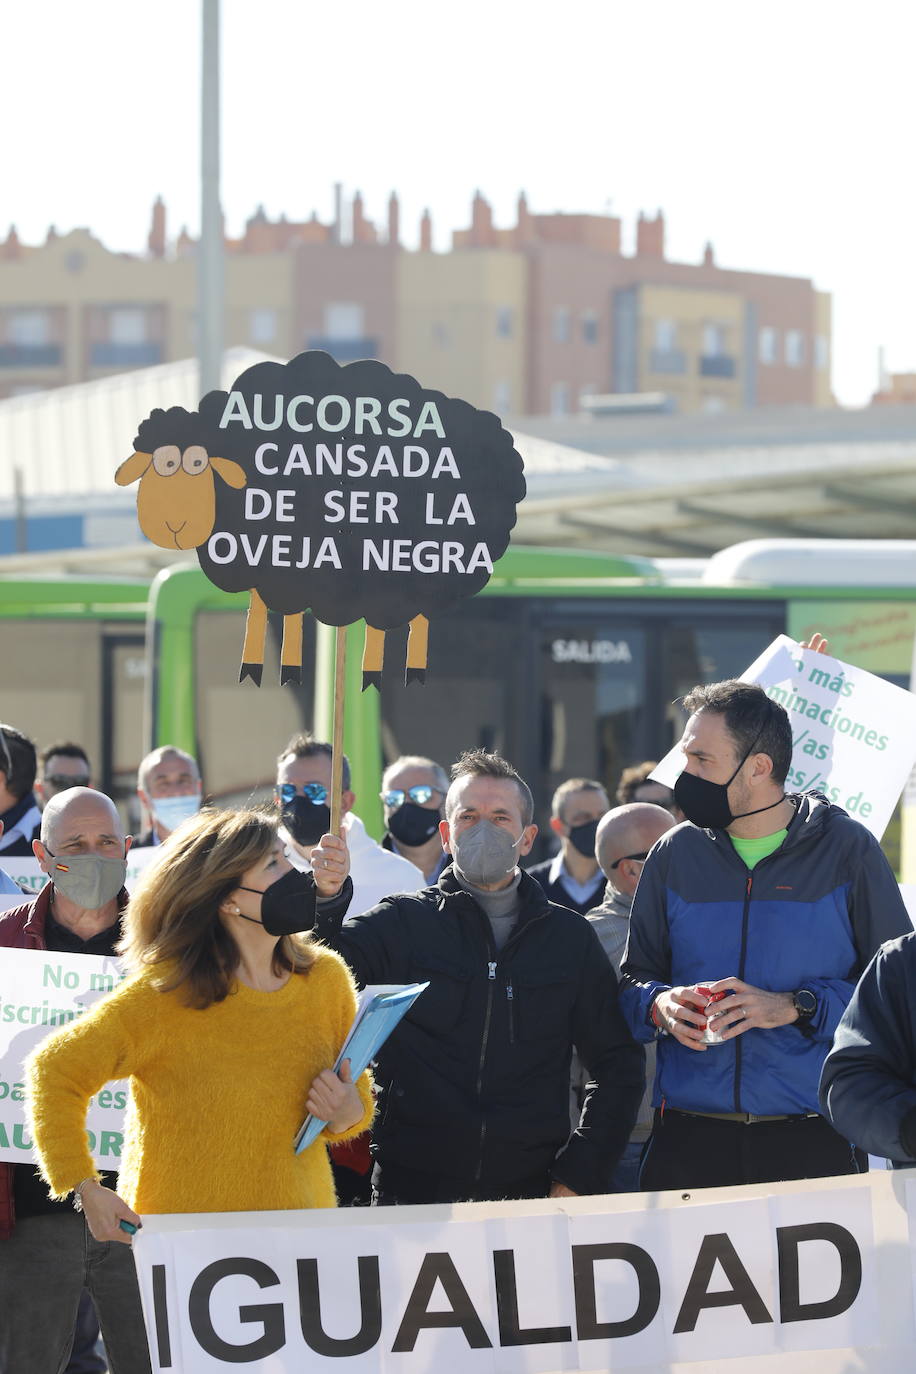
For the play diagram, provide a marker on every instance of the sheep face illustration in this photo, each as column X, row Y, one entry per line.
column 176, row 500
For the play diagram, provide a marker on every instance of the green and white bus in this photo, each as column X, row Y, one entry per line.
column 569, row 663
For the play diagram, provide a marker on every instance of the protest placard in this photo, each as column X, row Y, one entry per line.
column 40, row 991
column 807, row 1276
column 853, row 734
column 350, row 491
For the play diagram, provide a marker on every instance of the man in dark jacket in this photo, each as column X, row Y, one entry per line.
column 771, row 904
column 868, row 1086
column 474, row 1083
column 572, row 877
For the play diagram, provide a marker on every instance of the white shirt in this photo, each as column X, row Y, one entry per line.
column 375, row 872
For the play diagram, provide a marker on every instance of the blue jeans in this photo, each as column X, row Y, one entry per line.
column 44, row 1267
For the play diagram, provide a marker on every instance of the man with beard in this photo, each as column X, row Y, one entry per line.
column 413, row 794
column 302, row 791
column 572, row 878
column 749, row 928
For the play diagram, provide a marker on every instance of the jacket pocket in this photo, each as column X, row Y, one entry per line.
column 543, row 1004
column 441, row 1006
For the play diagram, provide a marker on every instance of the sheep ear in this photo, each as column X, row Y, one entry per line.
column 232, row 473
column 132, row 468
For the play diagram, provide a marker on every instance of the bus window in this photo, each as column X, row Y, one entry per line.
column 242, row 728
column 698, row 648
column 473, row 696
column 594, row 708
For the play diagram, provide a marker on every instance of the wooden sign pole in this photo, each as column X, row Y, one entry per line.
column 340, row 663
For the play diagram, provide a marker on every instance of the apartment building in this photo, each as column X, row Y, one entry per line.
column 529, row 319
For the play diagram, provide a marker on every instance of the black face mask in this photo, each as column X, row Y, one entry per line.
column 705, row 803
column 413, row 825
column 287, row 906
column 583, row 838
column 306, row 820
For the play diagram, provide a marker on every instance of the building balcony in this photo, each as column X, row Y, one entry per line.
column 670, row 362
column 344, row 350
column 31, row 355
column 125, row 355
column 718, row 365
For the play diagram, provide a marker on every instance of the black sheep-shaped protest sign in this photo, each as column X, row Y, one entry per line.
column 348, row 491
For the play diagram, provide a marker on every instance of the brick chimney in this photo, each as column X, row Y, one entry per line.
column 481, row 235
column 363, row 229
column 524, row 229
column 156, row 240
column 708, row 258
column 650, row 236
column 12, row 247
column 394, row 220
column 426, row 233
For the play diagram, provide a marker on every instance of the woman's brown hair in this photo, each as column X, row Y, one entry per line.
column 172, row 923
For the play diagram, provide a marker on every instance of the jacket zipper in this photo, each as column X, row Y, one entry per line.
column 742, row 961
column 491, row 983
column 510, row 998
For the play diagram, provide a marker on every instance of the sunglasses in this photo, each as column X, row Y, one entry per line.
column 64, row 780
column 623, row 858
column 287, row 792
column 421, row 794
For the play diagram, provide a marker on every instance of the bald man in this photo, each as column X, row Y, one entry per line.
column 47, row 1256
column 625, row 836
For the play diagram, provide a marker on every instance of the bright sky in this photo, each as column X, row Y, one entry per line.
column 782, row 131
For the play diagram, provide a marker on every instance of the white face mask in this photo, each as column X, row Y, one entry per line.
column 171, row 811
column 484, row 853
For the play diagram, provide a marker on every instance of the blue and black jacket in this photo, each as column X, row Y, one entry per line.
column 868, row 1086
column 811, row 915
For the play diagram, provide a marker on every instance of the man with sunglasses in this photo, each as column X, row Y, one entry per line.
column 61, row 766
column 413, row 794
column 625, row 836
column 302, row 793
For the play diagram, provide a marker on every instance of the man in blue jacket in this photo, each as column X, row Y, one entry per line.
column 868, row 1086
column 772, row 903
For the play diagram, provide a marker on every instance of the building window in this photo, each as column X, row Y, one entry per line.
column 713, row 340
column 29, row 328
column 795, row 348
column 766, row 345
column 589, row 327
column 559, row 398
column 262, row 326
column 504, row 322
column 665, row 336
column 344, row 320
column 502, row 398
column 821, row 352
column 127, row 325
column 560, row 327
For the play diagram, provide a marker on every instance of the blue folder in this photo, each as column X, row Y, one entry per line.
column 379, row 1011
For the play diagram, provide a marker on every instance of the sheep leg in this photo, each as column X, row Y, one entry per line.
column 373, row 658
column 255, row 635
column 291, row 650
column 417, row 650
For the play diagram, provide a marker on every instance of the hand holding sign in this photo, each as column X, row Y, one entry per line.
column 347, row 490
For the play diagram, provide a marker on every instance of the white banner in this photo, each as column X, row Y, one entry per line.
column 799, row 1276
column 853, row 734
column 26, row 872
column 42, row 991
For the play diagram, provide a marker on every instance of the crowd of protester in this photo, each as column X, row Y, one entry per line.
column 650, row 1008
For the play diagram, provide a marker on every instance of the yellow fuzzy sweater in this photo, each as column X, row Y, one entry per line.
column 216, row 1094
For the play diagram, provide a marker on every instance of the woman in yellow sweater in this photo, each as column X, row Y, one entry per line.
column 226, row 1032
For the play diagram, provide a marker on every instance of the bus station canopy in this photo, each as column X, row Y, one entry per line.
column 660, row 485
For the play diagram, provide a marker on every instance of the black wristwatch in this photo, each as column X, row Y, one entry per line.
column 805, row 1004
